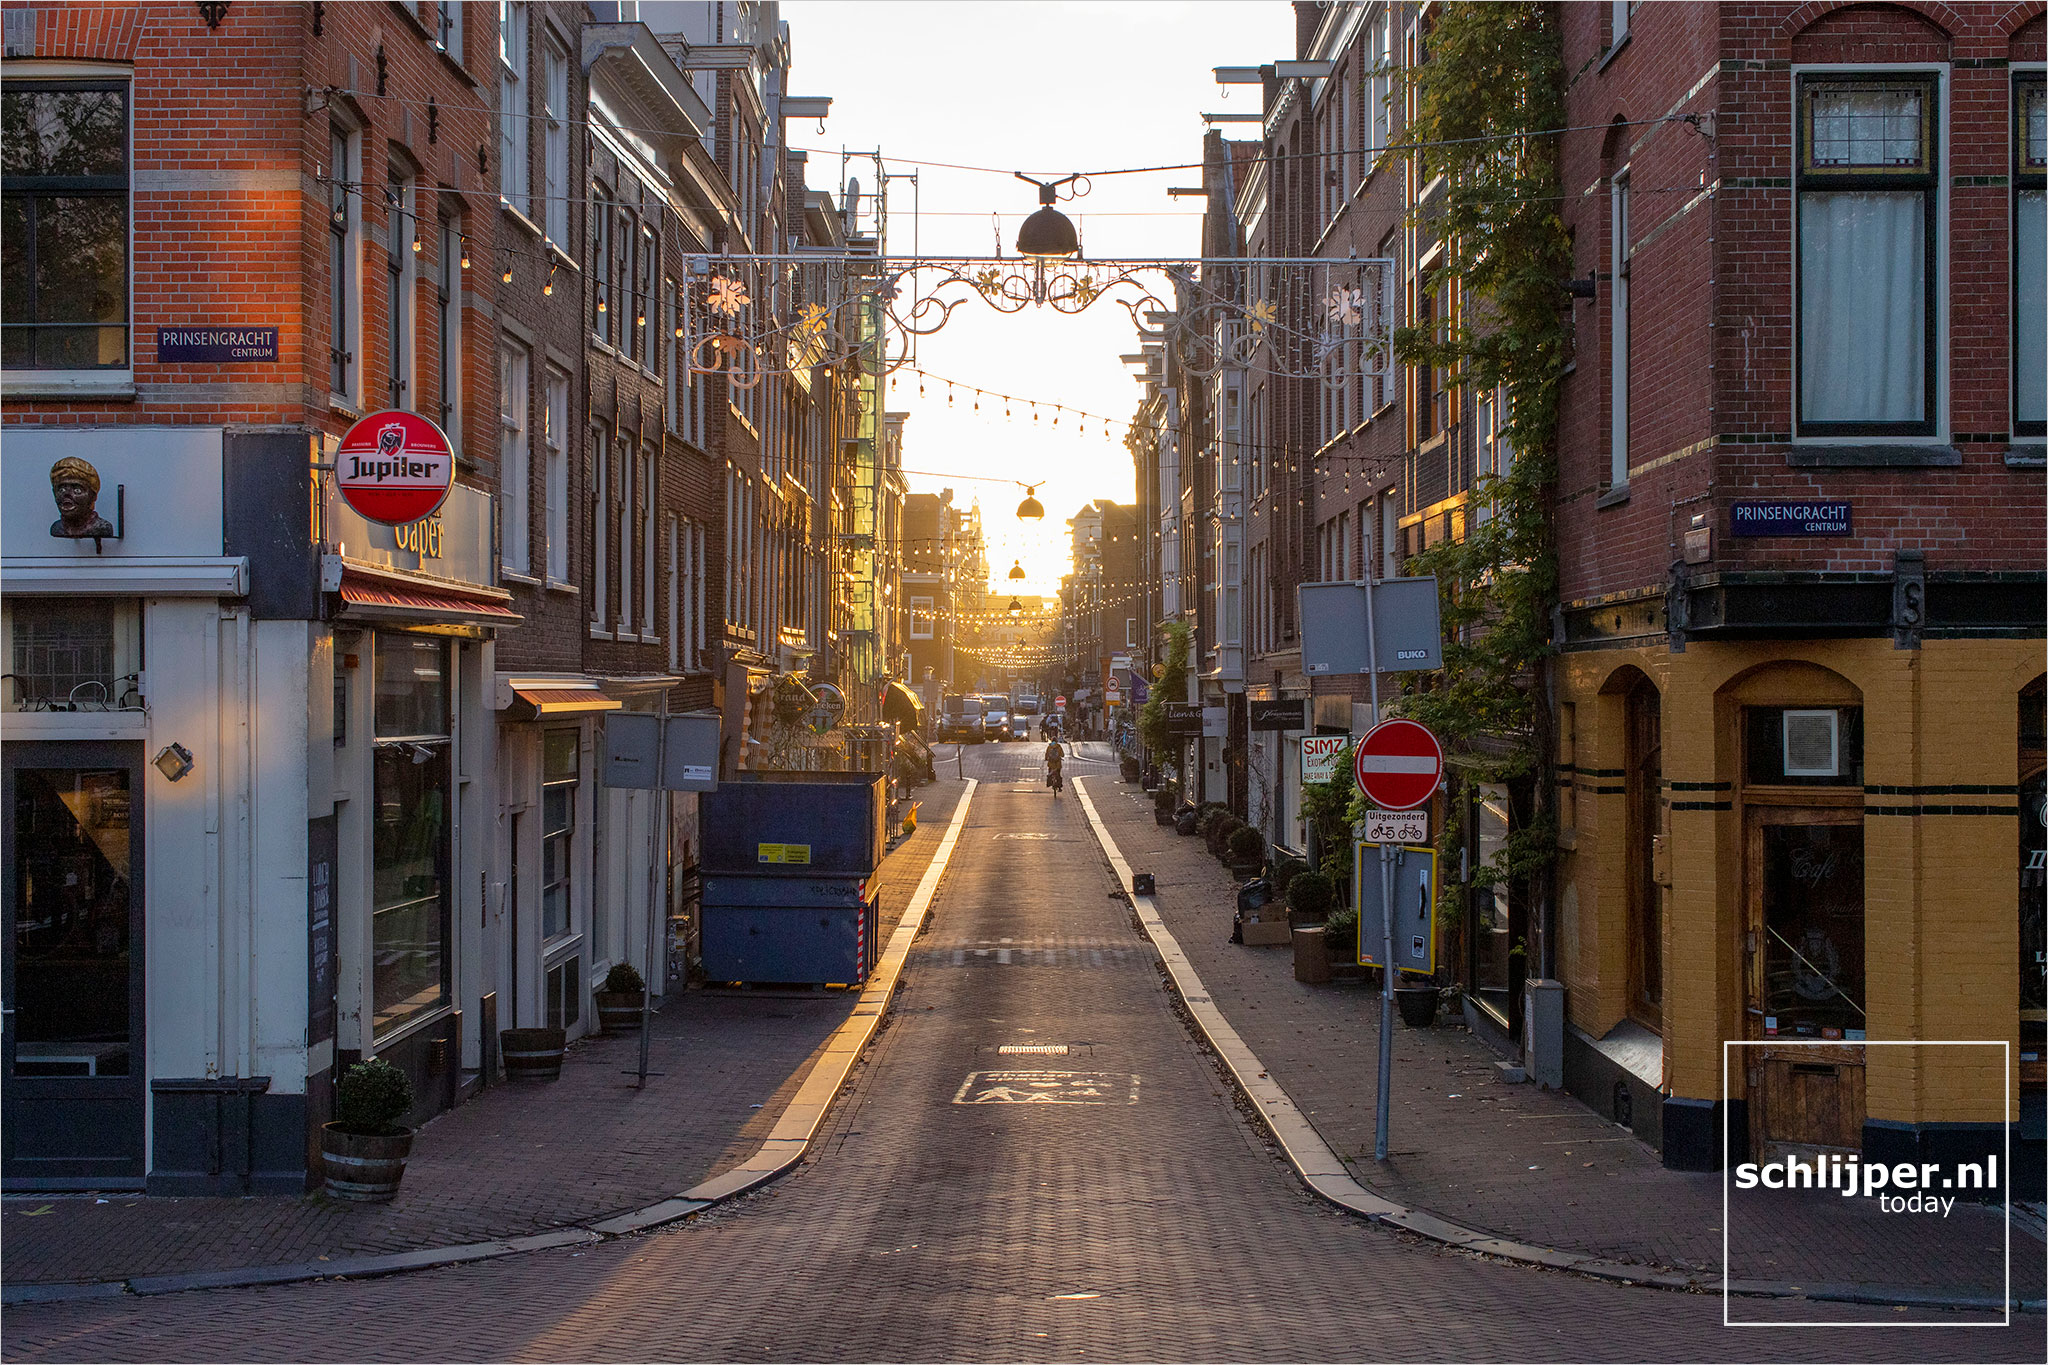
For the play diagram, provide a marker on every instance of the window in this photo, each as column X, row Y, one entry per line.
column 1617, row 328
column 555, row 131
column 1866, row 230
column 342, row 281
column 448, row 330
column 922, row 618
column 2030, row 243
column 72, row 653
column 444, row 17
column 672, row 386
column 649, row 547
column 555, row 437
column 410, row 901
column 401, row 235
column 515, row 176
column 64, row 225
column 561, row 765
column 599, row 261
column 1619, row 12
column 1379, row 89
column 675, row 593
column 600, row 490
column 624, row 491
column 647, row 343
column 515, row 477
column 629, row 274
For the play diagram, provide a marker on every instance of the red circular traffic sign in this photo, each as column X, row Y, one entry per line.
column 394, row 467
column 1398, row 764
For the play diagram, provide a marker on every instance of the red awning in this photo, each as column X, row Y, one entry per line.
column 400, row 599
column 535, row 702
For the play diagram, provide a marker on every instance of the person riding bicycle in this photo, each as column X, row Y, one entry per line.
column 1053, row 758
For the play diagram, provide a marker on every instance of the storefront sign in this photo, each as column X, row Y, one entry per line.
column 1183, row 719
column 1757, row 518
column 422, row 538
column 323, row 843
column 214, row 345
column 1291, row 714
column 1396, row 826
column 394, row 467
column 1320, row 755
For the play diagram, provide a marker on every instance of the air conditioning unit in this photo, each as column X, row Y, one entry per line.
column 1813, row 744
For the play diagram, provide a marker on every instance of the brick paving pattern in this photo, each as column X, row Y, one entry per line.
column 923, row 1228
column 517, row 1159
column 1513, row 1159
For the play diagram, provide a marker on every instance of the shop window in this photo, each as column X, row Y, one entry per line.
column 64, row 225
column 565, row 993
column 1866, row 241
column 561, row 768
column 410, row 901
column 1804, row 746
column 73, row 654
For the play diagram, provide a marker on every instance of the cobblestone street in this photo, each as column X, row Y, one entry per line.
column 1035, row 1161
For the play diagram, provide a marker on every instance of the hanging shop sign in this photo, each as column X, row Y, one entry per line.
column 1752, row 517
column 1183, row 719
column 1288, row 714
column 215, row 345
column 1320, row 755
column 394, row 467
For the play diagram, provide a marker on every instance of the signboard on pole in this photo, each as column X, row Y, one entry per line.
column 1334, row 638
column 394, row 467
column 632, row 751
column 1398, row 764
column 1320, row 755
column 1396, row 826
column 1412, row 887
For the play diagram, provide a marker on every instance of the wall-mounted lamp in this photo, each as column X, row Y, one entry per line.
column 174, row 761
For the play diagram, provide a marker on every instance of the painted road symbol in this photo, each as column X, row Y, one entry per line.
column 1047, row 1087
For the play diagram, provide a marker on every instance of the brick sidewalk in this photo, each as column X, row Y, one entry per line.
column 1515, row 1160
column 518, row 1159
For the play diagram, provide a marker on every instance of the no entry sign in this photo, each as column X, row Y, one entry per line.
column 1398, row 764
column 394, row 467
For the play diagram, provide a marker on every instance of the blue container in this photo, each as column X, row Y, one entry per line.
column 790, row 945
column 795, row 825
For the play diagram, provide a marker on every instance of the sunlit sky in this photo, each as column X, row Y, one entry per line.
column 1046, row 88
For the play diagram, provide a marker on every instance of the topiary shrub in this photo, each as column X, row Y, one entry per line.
column 1283, row 872
column 1340, row 933
column 1247, row 845
column 623, row 979
column 371, row 1097
column 1311, row 894
column 1219, row 832
column 1207, row 814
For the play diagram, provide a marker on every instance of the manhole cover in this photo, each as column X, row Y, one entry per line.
column 1036, row 1049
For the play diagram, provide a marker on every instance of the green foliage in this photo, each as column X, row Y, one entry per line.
column 1221, row 827
column 1170, row 685
column 1311, row 894
column 1282, row 874
column 371, row 1097
column 1246, row 844
column 1328, row 807
column 1340, row 934
column 1488, row 102
column 623, row 979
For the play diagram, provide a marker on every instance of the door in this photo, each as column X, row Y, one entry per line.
column 1804, row 882
column 71, row 879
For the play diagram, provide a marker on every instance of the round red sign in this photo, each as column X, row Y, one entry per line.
column 394, row 467
column 1398, row 764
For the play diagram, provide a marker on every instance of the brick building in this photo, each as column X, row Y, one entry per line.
column 1801, row 693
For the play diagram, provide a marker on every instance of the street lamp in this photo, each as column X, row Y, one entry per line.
column 1016, row 608
column 1048, row 234
column 1017, row 569
column 1031, row 509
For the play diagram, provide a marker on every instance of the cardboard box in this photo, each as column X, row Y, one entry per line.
column 1267, row 933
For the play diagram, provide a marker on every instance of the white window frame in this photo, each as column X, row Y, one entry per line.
column 515, row 171
column 600, row 460
column 555, row 88
column 922, row 607
column 555, row 438
column 401, row 227
column 1937, row 228
column 350, row 286
column 515, row 455
column 649, row 479
column 448, row 329
column 2024, row 182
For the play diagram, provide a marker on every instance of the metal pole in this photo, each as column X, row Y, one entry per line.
column 653, row 901
column 1382, row 1099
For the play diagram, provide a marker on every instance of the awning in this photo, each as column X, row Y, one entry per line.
column 547, row 698
column 901, row 705
column 378, row 596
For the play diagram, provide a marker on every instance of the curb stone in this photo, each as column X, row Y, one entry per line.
column 778, row 1154
column 1325, row 1174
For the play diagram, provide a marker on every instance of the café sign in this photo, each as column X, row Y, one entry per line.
column 394, row 467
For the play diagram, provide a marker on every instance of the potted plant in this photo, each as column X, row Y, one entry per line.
column 1247, row 848
column 1417, row 998
column 1310, row 895
column 1282, row 874
column 1340, row 938
column 363, row 1150
column 621, row 998
column 532, row 1054
column 1165, row 800
column 1217, row 835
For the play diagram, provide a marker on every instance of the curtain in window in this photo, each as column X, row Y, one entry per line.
column 1862, row 307
column 2030, row 355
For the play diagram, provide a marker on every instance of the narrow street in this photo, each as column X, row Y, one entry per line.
column 1036, row 1160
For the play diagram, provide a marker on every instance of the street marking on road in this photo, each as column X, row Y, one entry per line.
column 1046, row 1087
column 1013, row 835
column 1047, row 1049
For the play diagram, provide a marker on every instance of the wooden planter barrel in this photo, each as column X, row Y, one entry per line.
column 363, row 1167
column 532, row 1054
column 619, row 1011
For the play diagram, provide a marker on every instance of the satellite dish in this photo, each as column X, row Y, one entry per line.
column 852, row 210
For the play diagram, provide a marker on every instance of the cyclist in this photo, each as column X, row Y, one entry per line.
column 1053, row 757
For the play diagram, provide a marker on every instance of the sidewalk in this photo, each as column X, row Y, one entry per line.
column 1518, row 1162
column 517, row 1160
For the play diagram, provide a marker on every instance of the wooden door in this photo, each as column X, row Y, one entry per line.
column 1803, row 874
